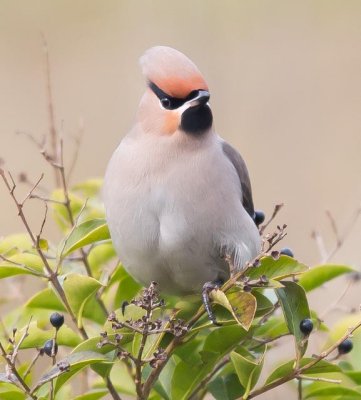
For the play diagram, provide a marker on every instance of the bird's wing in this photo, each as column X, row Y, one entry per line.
column 236, row 159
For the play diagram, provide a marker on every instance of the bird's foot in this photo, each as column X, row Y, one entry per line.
column 207, row 288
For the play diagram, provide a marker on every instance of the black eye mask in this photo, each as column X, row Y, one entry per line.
column 169, row 102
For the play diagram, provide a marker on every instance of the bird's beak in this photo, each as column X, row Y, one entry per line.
column 202, row 98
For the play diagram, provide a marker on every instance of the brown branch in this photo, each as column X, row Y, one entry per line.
column 78, row 138
column 273, row 216
column 51, row 113
column 11, row 363
column 51, row 275
column 203, row 383
column 298, row 372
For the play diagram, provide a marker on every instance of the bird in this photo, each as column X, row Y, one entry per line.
column 178, row 197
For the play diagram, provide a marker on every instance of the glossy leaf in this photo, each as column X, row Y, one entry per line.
column 226, row 387
column 321, row 274
column 78, row 290
column 16, row 243
column 48, row 300
column 264, row 304
column 322, row 367
column 277, row 269
column 242, row 305
column 86, row 233
column 272, row 328
column 93, row 395
column 248, row 370
column 30, row 264
column 292, row 298
column 198, row 359
column 37, row 337
column 75, row 361
column 333, row 391
column 45, row 299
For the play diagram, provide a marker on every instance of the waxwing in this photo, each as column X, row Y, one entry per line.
column 178, row 197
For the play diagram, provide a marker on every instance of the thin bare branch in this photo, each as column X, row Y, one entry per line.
column 273, row 216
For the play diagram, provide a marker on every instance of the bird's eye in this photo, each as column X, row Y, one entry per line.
column 166, row 103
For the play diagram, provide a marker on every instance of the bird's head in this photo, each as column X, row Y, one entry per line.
column 177, row 95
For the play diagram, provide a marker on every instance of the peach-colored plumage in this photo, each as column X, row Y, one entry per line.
column 172, row 71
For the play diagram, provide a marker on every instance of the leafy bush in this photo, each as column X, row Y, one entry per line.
column 119, row 339
column 147, row 346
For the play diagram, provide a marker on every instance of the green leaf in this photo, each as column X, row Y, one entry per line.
column 277, row 269
column 272, row 328
column 43, row 244
column 241, row 304
column 248, row 370
column 321, row 274
column 88, row 188
column 45, row 299
column 334, row 390
column 93, row 395
column 48, row 300
column 16, row 243
column 223, row 339
column 22, row 263
column 37, row 337
column 78, row 290
column 322, row 367
column 12, row 395
column 354, row 375
column 226, row 387
column 99, row 256
column 264, row 304
column 86, row 233
column 292, row 298
column 75, row 362
column 197, row 360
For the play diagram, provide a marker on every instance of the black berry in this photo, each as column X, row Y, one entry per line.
column 306, row 326
column 259, row 217
column 287, row 252
column 345, row 347
column 50, row 348
column 56, row 320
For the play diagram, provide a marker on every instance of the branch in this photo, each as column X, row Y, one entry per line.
column 51, row 275
column 202, row 385
column 298, row 372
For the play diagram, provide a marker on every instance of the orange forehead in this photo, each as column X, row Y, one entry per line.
column 180, row 87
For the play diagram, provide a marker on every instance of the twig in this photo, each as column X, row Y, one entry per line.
column 273, row 216
column 300, row 370
column 334, row 227
column 340, row 239
column 31, row 365
column 209, row 377
column 51, row 113
column 320, row 244
column 318, row 379
column 11, row 360
column 51, row 275
column 338, row 299
column 265, row 341
column 78, row 138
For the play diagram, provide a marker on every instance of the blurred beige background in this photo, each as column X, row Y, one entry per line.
column 285, row 80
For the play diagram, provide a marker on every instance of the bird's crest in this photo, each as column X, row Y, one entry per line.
column 172, row 71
